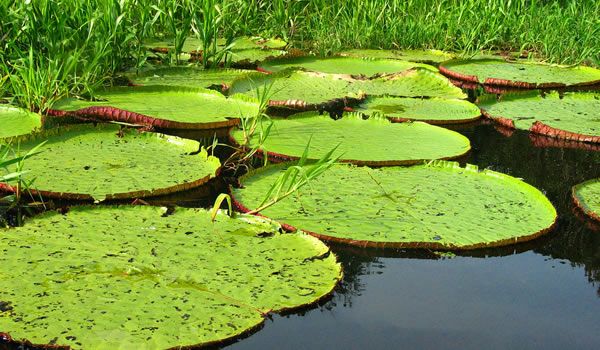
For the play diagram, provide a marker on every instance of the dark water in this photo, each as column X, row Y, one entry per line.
column 543, row 294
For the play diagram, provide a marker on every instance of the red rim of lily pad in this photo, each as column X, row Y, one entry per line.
column 4, row 187
column 275, row 157
column 543, row 129
column 494, row 83
column 579, row 202
column 396, row 245
column 8, row 188
column 112, row 114
column 389, row 245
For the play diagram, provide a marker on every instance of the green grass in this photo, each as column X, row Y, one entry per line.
column 54, row 48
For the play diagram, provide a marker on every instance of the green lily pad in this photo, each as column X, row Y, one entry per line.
column 135, row 277
column 374, row 141
column 16, row 121
column 430, row 110
column 305, row 90
column 421, row 56
column 188, row 77
column 253, row 56
column 572, row 116
column 193, row 44
column 415, row 82
column 163, row 106
column 342, row 65
column 587, row 197
column 438, row 206
column 87, row 162
column 529, row 75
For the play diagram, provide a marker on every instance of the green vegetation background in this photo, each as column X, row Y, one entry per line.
column 51, row 48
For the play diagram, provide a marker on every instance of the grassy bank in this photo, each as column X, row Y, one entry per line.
column 51, row 48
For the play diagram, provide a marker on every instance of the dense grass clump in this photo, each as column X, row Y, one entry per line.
column 53, row 48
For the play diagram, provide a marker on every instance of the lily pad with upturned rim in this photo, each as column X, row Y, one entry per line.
column 572, row 115
column 439, row 205
column 420, row 56
column 157, row 280
column 374, row 141
column 297, row 89
column 429, row 110
column 308, row 90
column 17, row 121
column 586, row 196
column 191, row 77
column 529, row 75
column 168, row 107
column 95, row 163
column 341, row 65
column 193, row 44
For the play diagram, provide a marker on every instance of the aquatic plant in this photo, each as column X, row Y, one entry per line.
column 421, row 56
column 430, row 110
column 160, row 279
column 439, row 205
column 572, row 115
column 374, row 141
column 189, row 76
column 170, row 107
column 16, row 121
column 341, row 65
column 106, row 162
column 586, row 196
column 526, row 75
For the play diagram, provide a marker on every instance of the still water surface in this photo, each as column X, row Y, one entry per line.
column 543, row 294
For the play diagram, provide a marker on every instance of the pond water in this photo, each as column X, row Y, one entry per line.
column 540, row 294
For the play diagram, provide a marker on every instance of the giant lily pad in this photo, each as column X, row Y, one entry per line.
column 374, row 141
column 162, row 107
column 305, row 90
column 341, row 65
column 431, row 110
column 87, row 162
column 188, row 77
column 572, row 116
column 16, row 121
column 439, row 206
column 193, row 44
column 528, row 75
column 415, row 82
column 587, row 197
column 244, row 50
column 156, row 281
column 422, row 56
column 297, row 89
